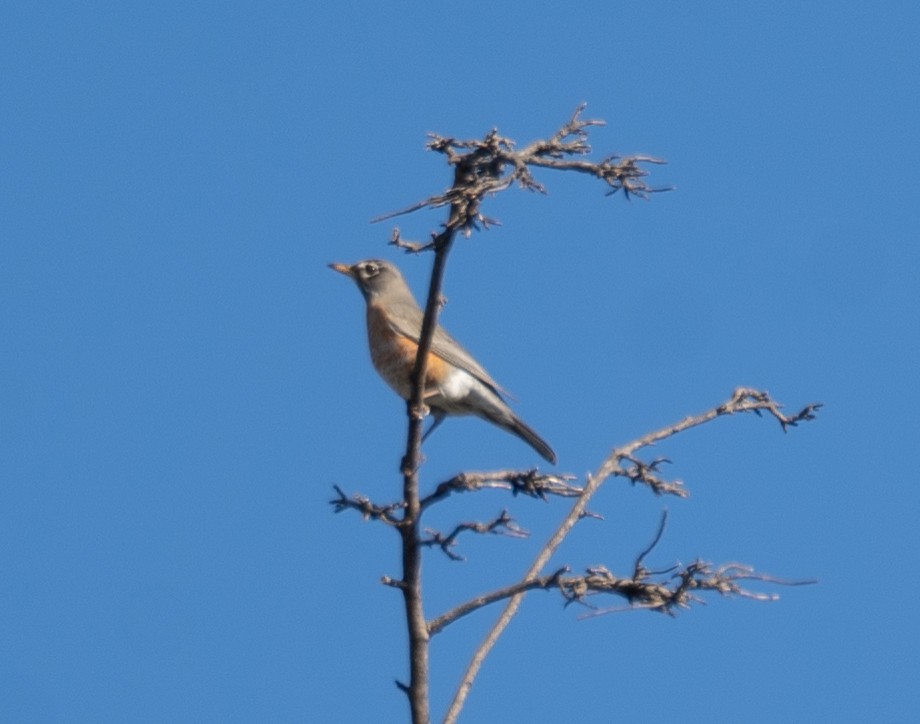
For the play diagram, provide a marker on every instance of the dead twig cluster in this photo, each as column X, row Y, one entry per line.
column 489, row 165
column 679, row 590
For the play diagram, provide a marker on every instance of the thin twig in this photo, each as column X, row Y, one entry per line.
column 640, row 570
column 503, row 524
column 368, row 509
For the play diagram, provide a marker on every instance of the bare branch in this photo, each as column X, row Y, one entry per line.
column 412, row 247
column 502, row 525
column 409, row 529
column 441, row 622
column 368, row 509
column 678, row 591
column 667, row 596
column 742, row 400
column 519, row 482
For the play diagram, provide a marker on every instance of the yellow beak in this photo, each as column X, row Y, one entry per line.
column 343, row 269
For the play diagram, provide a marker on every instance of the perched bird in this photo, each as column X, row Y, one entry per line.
column 455, row 383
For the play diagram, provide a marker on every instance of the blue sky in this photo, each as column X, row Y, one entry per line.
column 182, row 380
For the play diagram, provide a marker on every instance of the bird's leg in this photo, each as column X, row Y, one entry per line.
column 438, row 419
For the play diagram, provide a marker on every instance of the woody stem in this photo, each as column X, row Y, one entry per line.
column 417, row 690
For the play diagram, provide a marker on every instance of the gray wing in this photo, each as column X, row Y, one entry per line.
column 409, row 324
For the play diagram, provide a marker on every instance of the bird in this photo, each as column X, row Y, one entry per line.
column 455, row 383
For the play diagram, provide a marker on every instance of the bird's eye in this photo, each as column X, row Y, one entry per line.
column 371, row 269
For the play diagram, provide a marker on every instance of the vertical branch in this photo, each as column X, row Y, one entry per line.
column 411, row 584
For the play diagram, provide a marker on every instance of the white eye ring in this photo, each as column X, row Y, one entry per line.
column 371, row 269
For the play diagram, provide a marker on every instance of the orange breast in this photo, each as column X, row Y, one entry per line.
column 393, row 356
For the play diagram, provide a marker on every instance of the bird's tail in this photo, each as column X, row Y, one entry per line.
column 485, row 402
column 518, row 427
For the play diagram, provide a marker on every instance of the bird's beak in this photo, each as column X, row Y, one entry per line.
column 343, row 269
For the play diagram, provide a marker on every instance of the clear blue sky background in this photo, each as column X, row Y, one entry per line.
column 182, row 380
